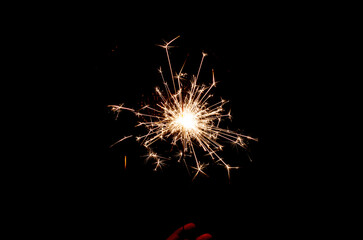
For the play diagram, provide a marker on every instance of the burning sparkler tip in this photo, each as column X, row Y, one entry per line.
column 185, row 118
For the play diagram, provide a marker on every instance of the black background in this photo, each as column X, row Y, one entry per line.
column 267, row 62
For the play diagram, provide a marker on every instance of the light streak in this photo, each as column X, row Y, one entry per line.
column 186, row 119
column 122, row 139
column 125, row 162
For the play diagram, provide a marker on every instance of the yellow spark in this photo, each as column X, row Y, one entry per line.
column 186, row 118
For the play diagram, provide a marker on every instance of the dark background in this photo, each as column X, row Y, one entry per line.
column 267, row 63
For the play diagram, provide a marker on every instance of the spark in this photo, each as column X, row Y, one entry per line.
column 122, row 139
column 200, row 169
column 185, row 117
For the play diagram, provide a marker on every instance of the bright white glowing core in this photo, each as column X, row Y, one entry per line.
column 187, row 121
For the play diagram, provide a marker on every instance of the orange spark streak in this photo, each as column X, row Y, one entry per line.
column 125, row 161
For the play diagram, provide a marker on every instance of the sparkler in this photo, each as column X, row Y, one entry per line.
column 186, row 119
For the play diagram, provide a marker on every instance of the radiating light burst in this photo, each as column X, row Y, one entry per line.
column 186, row 119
